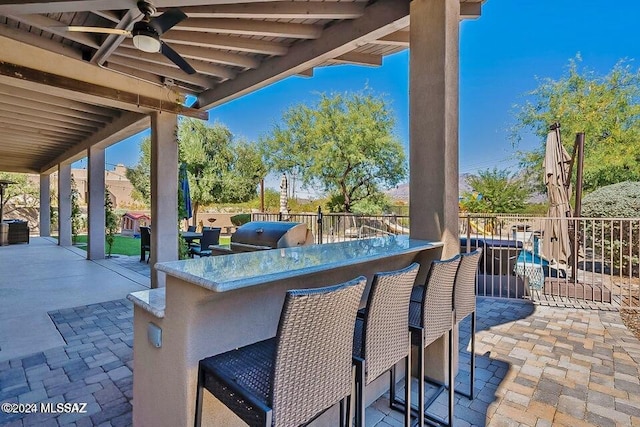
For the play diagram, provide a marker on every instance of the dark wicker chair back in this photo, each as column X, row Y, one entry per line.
column 145, row 237
column 464, row 301
column 437, row 299
column 191, row 228
column 145, row 242
column 313, row 365
column 386, row 320
column 209, row 237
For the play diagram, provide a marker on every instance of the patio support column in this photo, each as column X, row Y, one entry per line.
column 45, row 205
column 64, row 204
column 164, row 192
column 95, row 242
column 433, row 107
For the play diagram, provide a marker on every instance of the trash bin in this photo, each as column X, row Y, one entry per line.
column 4, row 234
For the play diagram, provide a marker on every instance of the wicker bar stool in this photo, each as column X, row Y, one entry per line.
column 431, row 317
column 382, row 336
column 464, row 304
column 292, row 378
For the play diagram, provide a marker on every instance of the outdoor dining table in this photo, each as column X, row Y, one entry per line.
column 190, row 236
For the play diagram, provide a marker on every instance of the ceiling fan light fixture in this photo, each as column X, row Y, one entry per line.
column 146, row 39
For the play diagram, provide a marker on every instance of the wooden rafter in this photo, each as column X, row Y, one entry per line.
column 54, row 27
column 399, row 38
column 59, row 6
column 250, row 27
column 153, row 58
column 358, row 58
column 102, row 92
column 379, row 19
column 208, row 54
column 278, row 9
column 218, row 41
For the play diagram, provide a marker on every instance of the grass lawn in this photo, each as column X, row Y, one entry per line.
column 123, row 245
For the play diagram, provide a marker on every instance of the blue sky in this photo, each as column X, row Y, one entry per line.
column 501, row 54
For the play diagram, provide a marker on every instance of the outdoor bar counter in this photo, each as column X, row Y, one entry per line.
column 215, row 304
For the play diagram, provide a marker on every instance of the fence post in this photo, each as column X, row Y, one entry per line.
column 279, row 216
column 319, row 225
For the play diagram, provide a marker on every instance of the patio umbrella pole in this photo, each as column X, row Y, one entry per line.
column 574, row 232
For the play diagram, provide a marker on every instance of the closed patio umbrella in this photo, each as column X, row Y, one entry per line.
column 284, row 208
column 556, row 244
column 186, row 192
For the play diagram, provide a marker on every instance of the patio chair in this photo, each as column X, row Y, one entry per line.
column 306, row 369
column 191, row 228
column 145, row 243
column 464, row 304
column 382, row 336
column 209, row 237
column 431, row 317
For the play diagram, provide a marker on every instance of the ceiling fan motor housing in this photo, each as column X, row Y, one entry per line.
column 145, row 37
column 146, row 8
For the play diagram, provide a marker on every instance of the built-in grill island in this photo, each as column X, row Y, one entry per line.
column 262, row 235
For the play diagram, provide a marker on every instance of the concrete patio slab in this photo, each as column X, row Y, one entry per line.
column 40, row 277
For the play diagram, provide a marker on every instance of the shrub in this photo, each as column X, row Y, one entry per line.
column 621, row 200
column 240, row 219
column 620, row 241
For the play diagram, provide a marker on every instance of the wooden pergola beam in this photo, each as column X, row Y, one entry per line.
column 399, row 38
column 103, row 92
column 69, row 114
column 164, row 70
column 218, row 41
column 379, row 19
column 60, row 6
column 167, row 68
column 205, row 54
column 93, row 112
column 278, row 9
column 358, row 58
column 470, row 10
column 52, row 26
column 250, row 27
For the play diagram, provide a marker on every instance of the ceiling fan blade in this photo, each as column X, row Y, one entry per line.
column 99, row 30
column 167, row 20
column 175, row 57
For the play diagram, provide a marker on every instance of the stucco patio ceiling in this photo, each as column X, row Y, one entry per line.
column 62, row 92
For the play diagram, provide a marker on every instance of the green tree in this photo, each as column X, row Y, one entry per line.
column 495, row 191
column 140, row 174
column 344, row 143
column 220, row 169
column 111, row 222
column 23, row 193
column 76, row 213
column 606, row 108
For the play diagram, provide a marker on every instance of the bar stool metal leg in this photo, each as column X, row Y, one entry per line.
column 199, row 391
column 407, row 386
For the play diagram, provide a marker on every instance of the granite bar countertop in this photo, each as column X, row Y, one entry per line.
column 230, row 272
column 152, row 301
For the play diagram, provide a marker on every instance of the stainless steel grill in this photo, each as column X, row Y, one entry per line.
column 263, row 235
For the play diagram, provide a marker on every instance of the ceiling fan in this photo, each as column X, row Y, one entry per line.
column 147, row 33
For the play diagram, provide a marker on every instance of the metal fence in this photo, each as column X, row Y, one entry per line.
column 339, row 227
column 601, row 265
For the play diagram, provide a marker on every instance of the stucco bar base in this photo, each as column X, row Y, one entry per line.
column 199, row 322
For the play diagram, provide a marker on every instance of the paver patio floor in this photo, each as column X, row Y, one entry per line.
column 537, row 366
